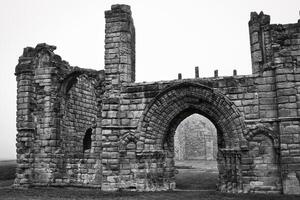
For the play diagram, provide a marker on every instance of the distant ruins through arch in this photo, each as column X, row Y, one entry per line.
column 195, row 139
column 100, row 129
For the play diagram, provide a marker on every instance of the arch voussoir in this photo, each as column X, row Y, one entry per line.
column 175, row 103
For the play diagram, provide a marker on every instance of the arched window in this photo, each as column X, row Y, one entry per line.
column 87, row 140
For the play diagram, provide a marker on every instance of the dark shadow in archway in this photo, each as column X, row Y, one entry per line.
column 195, row 154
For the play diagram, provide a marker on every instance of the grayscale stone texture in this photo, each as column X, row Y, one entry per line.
column 195, row 139
column 81, row 127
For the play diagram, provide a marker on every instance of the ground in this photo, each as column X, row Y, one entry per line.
column 196, row 175
column 195, row 180
column 7, row 173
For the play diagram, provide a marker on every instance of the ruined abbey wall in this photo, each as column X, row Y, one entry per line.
column 57, row 105
column 101, row 129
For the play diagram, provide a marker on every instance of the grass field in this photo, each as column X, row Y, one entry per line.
column 7, row 172
column 87, row 194
column 191, row 180
column 196, row 175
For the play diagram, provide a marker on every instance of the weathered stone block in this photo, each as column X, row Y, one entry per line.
column 291, row 184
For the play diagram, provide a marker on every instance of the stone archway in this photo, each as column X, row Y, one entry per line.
column 175, row 103
column 195, row 154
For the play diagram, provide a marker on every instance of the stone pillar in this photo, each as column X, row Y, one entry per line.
column 197, row 72
column 289, row 128
column 119, row 46
column 119, row 69
column 37, row 115
column 221, row 162
column 216, row 74
column 234, row 72
column 257, row 25
column 239, row 172
column 25, row 119
column 47, row 121
column 179, row 76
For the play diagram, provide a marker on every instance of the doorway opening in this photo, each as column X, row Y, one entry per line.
column 195, row 154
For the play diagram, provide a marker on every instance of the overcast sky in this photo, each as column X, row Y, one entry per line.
column 172, row 36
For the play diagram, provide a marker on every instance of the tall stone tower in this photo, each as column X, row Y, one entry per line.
column 119, row 46
column 119, row 71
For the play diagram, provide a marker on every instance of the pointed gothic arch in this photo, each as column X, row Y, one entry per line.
column 175, row 103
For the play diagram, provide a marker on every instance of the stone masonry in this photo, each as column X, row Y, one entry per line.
column 81, row 127
column 195, row 139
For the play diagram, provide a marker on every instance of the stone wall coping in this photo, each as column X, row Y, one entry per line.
column 189, row 80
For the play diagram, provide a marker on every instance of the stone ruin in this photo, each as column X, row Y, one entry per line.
column 195, row 138
column 100, row 129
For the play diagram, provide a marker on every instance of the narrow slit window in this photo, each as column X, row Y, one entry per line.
column 87, row 140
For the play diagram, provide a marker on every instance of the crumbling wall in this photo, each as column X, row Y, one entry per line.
column 53, row 109
column 279, row 61
column 38, row 73
column 134, row 102
column 81, row 163
column 100, row 129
